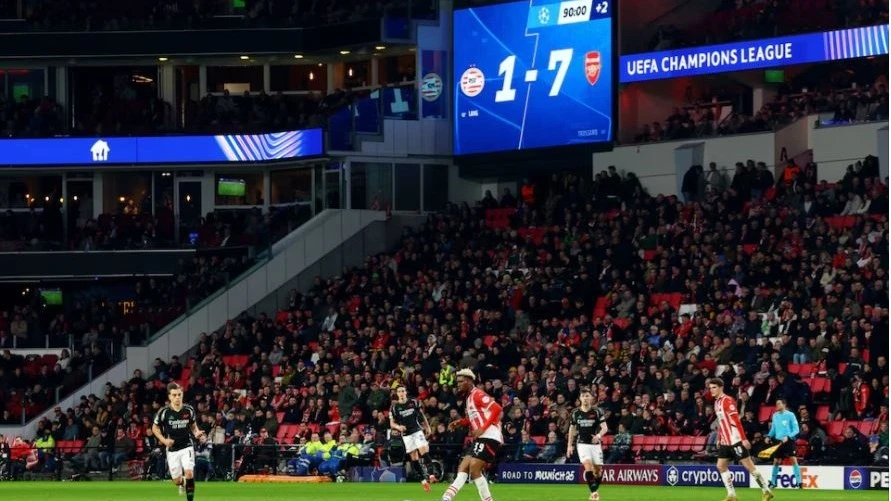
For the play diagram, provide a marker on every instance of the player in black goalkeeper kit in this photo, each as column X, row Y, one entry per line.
column 407, row 418
column 174, row 426
column 588, row 424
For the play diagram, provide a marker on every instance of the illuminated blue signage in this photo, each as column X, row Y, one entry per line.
column 532, row 74
column 236, row 148
column 755, row 54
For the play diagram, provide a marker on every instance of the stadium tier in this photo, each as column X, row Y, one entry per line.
column 450, row 245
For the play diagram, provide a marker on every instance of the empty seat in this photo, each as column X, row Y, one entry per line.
column 822, row 415
column 835, row 428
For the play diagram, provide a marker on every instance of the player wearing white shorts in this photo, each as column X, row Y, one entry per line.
column 407, row 418
column 588, row 424
column 174, row 426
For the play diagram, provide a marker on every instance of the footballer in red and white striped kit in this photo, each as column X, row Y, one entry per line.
column 732, row 442
column 484, row 419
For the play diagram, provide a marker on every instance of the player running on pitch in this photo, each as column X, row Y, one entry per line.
column 783, row 429
column 732, row 443
column 484, row 419
column 174, row 426
column 588, row 424
column 407, row 417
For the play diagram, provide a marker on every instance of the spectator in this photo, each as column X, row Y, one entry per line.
column 878, row 444
column 528, row 450
column 551, row 450
column 621, row 447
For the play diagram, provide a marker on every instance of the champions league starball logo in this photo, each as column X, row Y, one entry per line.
column 544, row 15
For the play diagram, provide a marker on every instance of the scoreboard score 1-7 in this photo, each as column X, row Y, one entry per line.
column 533, row 74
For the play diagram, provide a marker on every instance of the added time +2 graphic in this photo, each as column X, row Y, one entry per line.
column 533, row 75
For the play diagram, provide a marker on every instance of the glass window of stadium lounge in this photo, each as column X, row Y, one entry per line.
column 31, row 209
column 127, row 193
column 290, row 186
column 371, row 185
column 253, row 189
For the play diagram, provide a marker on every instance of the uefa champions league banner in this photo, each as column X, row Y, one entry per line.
column 431, row 78
column 228, row 148
column 851, row 43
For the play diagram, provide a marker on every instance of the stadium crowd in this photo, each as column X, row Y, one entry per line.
column 781, row 291
column 132, row 229
column 103, row 15
column 135, row 115
column 753, row 19
column 847, row 104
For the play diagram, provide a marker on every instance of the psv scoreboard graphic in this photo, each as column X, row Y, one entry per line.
column 533, row 74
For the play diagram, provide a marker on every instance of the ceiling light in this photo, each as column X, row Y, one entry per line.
column 244, row 58
column 298, row 56
column 380, row 47
column 344, row 52
column 162, row 59
column 320, row 65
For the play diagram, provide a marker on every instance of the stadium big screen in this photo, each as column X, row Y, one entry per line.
column 533, row 74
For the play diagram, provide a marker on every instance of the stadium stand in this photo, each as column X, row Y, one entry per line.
column 781, row 292
column 736, row 20
column 213, row 114
column 864, row 101
column 40, row 229
column 56, row 15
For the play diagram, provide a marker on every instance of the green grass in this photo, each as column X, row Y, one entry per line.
column 227, row 491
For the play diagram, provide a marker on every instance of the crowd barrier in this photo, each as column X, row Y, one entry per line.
column 697, row 475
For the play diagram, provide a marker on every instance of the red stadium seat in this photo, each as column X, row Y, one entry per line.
column 835, row 429
column 865, row 427
column 674, row 443
column 699, row 443
column 822, row 415
column 765, row 413
column 540, row 440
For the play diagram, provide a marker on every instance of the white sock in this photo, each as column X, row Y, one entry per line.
column 761, row 482
column 452, row 491
column 482, row 485
column 727, row 477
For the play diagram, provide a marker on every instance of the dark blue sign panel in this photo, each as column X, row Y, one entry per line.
column 702, row 476
column 377, row 474
column 533, row 74
column 755, row 54
column 535, row 473
column 236, row 148
column 862, row 478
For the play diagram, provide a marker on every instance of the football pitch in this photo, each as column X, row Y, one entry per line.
column 227, row 491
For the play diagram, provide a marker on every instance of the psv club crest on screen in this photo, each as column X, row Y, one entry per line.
column 592, row 66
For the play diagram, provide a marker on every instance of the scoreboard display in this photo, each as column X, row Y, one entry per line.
column 533, row 74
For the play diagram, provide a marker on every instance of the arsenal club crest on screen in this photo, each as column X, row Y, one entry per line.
column 592, row 66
